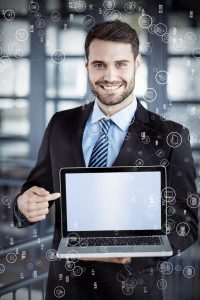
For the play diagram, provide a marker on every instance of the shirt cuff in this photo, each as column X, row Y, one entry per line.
column 19, row 219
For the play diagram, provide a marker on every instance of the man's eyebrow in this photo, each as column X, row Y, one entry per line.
column 102, row 62
column 97, row 62
column 123, row 60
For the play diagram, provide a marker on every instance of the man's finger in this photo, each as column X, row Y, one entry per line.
column 38, row 213
column 118, row 260
column 49, row 197
column 37, row 219
column 39, row 191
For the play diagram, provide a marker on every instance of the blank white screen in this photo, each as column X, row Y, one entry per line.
column 113, row 201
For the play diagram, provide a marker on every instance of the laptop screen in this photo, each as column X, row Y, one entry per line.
column 113, row 201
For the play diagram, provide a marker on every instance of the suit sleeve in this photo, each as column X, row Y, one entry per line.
column 40, row 175
column 181, row 178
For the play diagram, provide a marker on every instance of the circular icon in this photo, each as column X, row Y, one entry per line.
column 165, row 267
column 77, row 271
column 55, row 16
column 59, row 292
column 104, row 249
column 13, row 46
column 40, row 23
column 41, row 32
column 38, row 262
column 127, row 289
column 38, row 15
column 122, row 275
column 69, row 265
column 88, row 21
column 131, row 282
column 160, row 29
column 162, row 284
column 164, row 162
column 111, row 15
column 6, row 200
column 74, row 256
column 151, row 28
column 190, row 37
column 83, row 243
column 108, row 4
column 196, row 53
column 139, row 162
column 146, row 140
column 5, row 62
column 178, row 268
column 168, row 194
column 174, row 139
column 130, row 7
column 180, row 45
column 151, row 202
column 170, row 211
column 80, row 6
column 58, row 57
column 2, row 268
column 160, row 153
column 170, row 225
column 150, row 95
column 21, row 35
column 182, row 229
column 73, row 239
column 166, row 38
column 145, row 21
column 33, row 7
column 161, row 77
column 189, row 271
column 51, row 254
column 9, row 15
column 11, row 258
column 147, row 50
column 193, row 201
column 166, row 116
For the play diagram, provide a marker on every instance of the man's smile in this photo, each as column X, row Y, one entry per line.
column 110, row 87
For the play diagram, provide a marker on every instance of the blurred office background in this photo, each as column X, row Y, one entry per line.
column 42, row 71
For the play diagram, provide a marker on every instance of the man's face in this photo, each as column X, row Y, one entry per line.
column 111, row 69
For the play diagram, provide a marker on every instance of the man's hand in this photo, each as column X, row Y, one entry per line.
column 34, row 203
column 118, row 260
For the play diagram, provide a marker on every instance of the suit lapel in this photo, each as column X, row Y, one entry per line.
column 77, row 134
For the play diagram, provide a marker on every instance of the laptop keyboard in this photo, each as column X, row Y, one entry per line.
column 126, row 241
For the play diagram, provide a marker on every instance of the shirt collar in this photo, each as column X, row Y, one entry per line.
column 122, row 118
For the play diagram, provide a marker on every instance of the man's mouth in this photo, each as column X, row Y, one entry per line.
column 110, row 87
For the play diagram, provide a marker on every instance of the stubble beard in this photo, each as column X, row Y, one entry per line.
column 106, row 100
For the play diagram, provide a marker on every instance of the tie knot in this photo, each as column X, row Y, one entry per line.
column 105, row 125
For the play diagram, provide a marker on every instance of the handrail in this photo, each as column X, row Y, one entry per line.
column 27, row 244
column 22, row 283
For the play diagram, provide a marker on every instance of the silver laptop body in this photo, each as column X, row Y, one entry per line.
column 114, row 212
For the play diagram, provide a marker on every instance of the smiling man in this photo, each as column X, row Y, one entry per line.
column 109, row 132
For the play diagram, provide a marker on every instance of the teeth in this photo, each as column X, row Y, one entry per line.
column 111, row 87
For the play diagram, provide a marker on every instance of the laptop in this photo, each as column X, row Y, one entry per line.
column 113, row 212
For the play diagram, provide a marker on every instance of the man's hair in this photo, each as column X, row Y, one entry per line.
column 116, row 31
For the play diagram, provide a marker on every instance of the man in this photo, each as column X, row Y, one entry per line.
column 71, row 139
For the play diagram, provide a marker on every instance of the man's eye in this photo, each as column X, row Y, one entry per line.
column 98, row 66
column 121, row 64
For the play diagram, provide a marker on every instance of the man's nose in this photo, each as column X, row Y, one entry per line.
column 110, row 74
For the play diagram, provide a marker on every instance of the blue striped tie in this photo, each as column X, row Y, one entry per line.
column 100, row 151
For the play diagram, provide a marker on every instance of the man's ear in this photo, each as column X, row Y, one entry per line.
column 138, row 61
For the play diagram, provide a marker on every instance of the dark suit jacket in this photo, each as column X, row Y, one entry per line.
column 62, row 147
